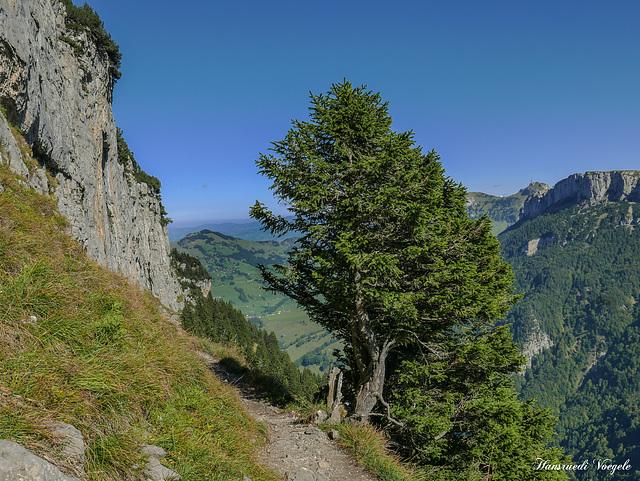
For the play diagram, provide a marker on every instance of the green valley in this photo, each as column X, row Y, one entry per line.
column 232, row 264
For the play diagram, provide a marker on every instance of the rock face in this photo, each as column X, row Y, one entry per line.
column 154, row 470
column 535, row 342
column 56, row 87
column 531, row 247
column 16, row 463
column 590, row 188
column 73, row 444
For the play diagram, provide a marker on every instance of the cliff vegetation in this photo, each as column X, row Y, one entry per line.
column 79, row 18
column 132, row 167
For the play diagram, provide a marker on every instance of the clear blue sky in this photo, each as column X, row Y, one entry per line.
column 505, row 91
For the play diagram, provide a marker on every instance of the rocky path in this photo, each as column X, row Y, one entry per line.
column 301, row 452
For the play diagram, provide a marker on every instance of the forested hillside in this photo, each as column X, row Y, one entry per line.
column 503, row 211
column 217, row 320
column 235, row 278
column 579, row 272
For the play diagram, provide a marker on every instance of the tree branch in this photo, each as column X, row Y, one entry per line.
column 386, row 405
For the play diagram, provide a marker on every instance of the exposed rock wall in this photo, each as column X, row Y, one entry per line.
column 532, row 246
column 590, row 188
column 534, row 343
column 55, row 86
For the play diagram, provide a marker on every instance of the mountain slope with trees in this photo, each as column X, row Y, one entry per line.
column 217, row 320
column 235, row 277
column 578, row 269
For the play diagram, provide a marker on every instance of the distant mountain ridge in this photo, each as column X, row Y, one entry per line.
column 503, row 211
column 247, row 230
column 589, row 188
column 537, row 198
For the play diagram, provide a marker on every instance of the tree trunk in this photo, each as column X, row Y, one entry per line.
column 371, row 386
column 370, row 354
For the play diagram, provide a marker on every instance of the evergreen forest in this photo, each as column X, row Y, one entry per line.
column 581, row 288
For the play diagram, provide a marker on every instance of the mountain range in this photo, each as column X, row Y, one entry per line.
column 575, row 252
column 73, row 332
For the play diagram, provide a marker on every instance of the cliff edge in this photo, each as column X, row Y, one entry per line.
column 590, row 188
column 56, row 87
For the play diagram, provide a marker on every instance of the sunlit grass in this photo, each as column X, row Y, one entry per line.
column 78, row 344
column 369, row 447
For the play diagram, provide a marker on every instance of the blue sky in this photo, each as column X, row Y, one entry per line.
column 505, row 91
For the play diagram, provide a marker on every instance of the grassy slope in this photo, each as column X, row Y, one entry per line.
column 235, row 277
column 78, row 344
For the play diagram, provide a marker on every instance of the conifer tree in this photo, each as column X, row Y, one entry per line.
column 388, row 257
column 390, row 262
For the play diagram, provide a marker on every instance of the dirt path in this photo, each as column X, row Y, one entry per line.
column 301, row 452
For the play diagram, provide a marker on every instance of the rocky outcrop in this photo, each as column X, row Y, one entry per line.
column 532, row 246
column 56, row 88
column 535, row 342
column 154, row 470
column 16, row 463
column 535, row 188
column 585, row 189
column 73, row 446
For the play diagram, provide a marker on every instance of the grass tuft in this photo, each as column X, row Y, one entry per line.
column 369, row 447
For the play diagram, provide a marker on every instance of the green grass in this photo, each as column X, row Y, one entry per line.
column 369, row 447
column 78, row 344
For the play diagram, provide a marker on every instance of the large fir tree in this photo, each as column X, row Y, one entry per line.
column 388, row 260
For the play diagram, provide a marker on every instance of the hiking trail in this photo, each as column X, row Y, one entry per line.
column 299, row 451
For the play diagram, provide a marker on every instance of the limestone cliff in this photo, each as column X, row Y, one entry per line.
column 56, row 87
column 535, row 341
column 589, row 189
